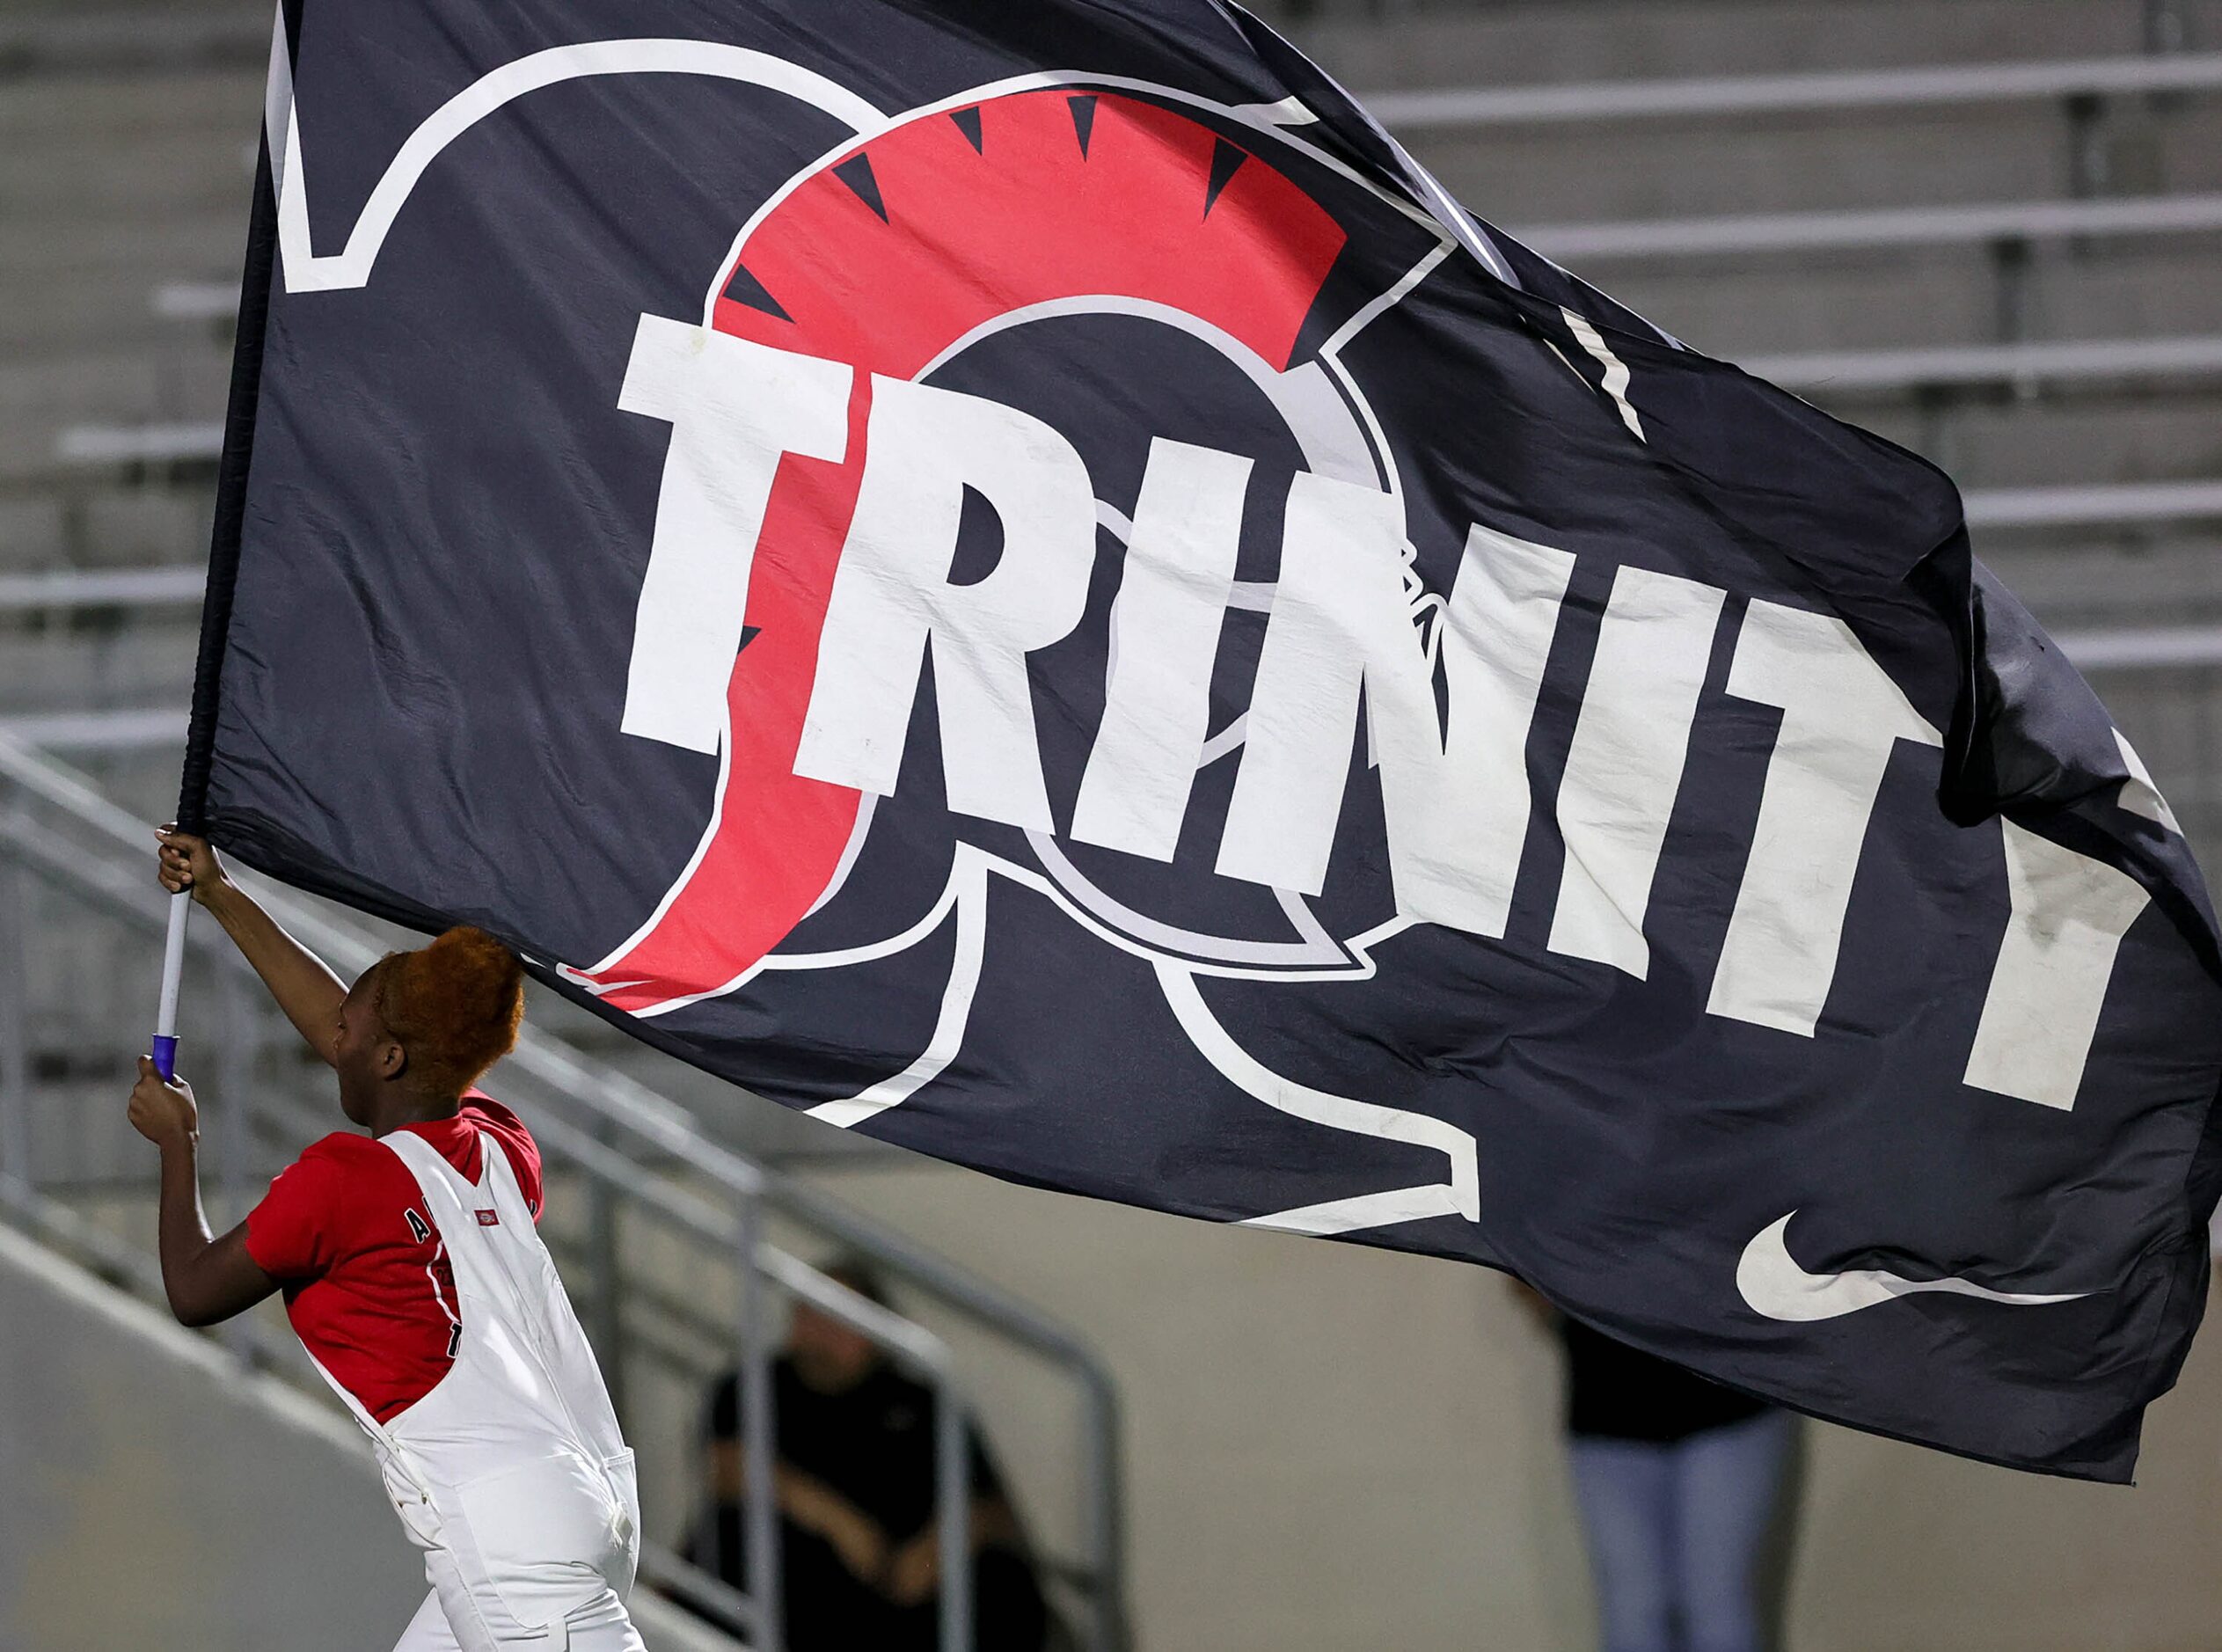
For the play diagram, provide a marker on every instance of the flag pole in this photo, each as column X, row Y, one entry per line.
column 223, row 549
column 165, row 1014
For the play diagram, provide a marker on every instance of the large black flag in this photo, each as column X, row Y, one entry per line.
column 1014, row 576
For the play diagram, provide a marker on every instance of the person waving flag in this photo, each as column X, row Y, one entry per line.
column 1014, row 576
column 415, row 1275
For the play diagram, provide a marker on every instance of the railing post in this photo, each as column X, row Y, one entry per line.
column 2010, row 257
column 2090, row 165
column 760, row 1536
column 952, row 1516
column 2165, row 28
column 15, row 1023
column 609, row 1302
column 1106, row 1519
column 237, row 1065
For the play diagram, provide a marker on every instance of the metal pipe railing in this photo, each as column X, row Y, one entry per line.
column 2077, row 507
column 67, row 589
column 616, row 1102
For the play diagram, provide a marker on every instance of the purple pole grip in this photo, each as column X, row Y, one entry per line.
column 166, row 1058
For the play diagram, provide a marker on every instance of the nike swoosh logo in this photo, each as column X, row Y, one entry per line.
column 1770, row 1280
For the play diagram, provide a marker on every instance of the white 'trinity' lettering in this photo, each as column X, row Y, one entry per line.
column 2042, row 1011
column 1842, row 716
column 1624, row 767
column 1342, row 634
column 1164, row 636
column 734, row 407
column 892, row 593
column 1456, row 799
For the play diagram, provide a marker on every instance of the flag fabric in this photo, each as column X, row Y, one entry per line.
column 1012, row 574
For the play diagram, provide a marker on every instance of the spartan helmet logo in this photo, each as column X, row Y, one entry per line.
column 1075, row 299
column 960, row 262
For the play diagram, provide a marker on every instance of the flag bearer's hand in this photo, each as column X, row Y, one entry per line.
column 166, row 1113
column 187, row 862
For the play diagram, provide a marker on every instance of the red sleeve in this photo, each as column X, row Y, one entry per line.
column 304, row 1224
column 517, row 1141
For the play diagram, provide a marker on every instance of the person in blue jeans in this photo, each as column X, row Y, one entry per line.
column 1679, row 1482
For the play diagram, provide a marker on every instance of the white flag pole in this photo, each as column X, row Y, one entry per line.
column 166, row 1015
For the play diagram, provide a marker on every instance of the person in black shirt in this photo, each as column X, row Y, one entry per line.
column 860, row 1549
column 1679, row 1481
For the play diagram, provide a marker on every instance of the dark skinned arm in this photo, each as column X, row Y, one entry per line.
column 302, row 982
column 208, row 1280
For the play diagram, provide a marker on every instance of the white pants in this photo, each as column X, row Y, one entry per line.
column 455, row 1618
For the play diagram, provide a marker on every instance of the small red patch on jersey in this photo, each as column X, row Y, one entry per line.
column 489, row 1219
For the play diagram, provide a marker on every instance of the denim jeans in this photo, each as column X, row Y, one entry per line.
column 1676, row 1532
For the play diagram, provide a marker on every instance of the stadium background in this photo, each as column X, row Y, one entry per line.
column 1988, row 229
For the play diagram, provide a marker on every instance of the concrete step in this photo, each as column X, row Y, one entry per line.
column 42, row 40
column 2082, row 586
column 1527, row 43
column 1935, row 296
column 126, row 178
column 106, row 307
column 123, row 263
column 32, row 536
column 1570, row 172
column 99, row 525
column 2002, row 442
column 138, row 527
column 79, row 385
column 39, row 397
column 82, row 109
column 123, row 665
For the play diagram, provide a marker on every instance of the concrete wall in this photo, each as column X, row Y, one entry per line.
column 1331, row 1448
column 155, row 1496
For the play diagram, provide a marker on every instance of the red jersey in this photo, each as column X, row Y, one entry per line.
column 345, row 1230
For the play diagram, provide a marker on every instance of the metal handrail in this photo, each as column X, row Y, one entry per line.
column 661, row 1125
column 195, row 301
column 2080, row 506
column 146, row 729
column 1458, row 106
column 195, row 441
column 2143, row 647
column 174, row 585
column 1862, row 229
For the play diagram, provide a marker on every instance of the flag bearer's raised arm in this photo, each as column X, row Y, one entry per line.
column 302, row 982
